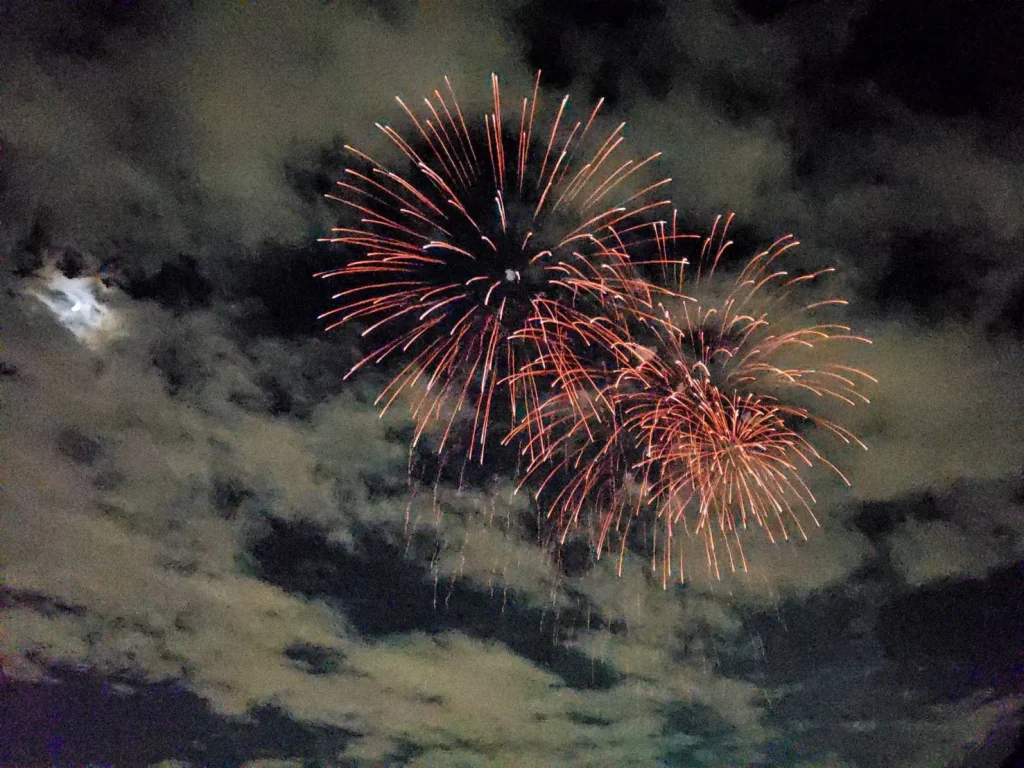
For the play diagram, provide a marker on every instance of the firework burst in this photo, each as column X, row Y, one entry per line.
column 479, row 229
column 691, row 414
column 512, row 263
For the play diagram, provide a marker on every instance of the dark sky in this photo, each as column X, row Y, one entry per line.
column 205, row 555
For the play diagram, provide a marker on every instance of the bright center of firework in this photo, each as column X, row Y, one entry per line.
column 75, row 303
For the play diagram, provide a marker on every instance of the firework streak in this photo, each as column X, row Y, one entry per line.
column 536, row 267
column 479, row 232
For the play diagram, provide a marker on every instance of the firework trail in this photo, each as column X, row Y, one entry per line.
column 691, row 415
column 479, row 229
column 503, row 259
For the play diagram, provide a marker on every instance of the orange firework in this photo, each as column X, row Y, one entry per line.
column 479, row 229
column 531, row 264
column 691, row 414
column 575, row 438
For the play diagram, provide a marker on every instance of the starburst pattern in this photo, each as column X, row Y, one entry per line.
column 507, row 261
column 477, row 232
column 688, row 412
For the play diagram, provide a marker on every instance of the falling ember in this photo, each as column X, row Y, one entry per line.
column 477, row 228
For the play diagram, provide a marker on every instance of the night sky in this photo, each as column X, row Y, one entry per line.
column 210, row 549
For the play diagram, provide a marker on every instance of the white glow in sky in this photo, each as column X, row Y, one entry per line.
column 75, row 301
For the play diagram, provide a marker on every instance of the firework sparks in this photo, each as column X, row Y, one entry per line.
column 507, row 259
column 478, row 231
column 691, row 412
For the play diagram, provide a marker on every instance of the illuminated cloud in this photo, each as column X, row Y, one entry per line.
column 77, row 303
column 140, row 478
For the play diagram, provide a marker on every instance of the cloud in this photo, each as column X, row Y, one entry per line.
column 136, row 477
column 976, row 533
column 178, row 138
column 765, row 119
column 945, row 409
column 118, row 557
column 955, row 729
column 79, row 305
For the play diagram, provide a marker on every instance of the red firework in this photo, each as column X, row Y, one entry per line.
column 481, row 229
column 578, row 444
column 691, row 413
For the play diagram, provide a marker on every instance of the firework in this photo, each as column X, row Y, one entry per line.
column 581, row 454
column 691, row 416
column 478, row 230
column 508, row 262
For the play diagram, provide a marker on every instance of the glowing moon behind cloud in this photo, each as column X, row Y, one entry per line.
column 77, row 305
